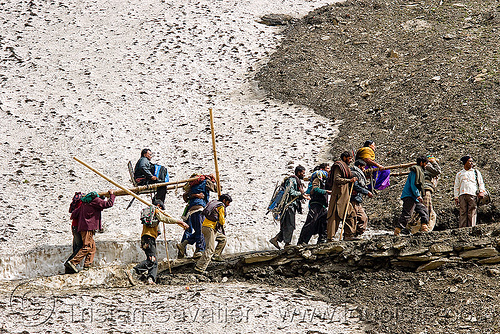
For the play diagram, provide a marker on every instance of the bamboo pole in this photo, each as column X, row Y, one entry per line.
column 139, row 189
column 400, row 174
column 182, row 224
column 166, row 248
column 215, row 152
column 371, row 170
column 345, row 212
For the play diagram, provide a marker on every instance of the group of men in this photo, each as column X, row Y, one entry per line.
column 336, row 195
column 203, row 222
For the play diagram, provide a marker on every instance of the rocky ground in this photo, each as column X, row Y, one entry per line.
column 415, row 77
column 454, row 288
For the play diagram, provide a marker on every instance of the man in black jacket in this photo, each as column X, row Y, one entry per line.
column 318, row 207
column 144, row 173
column 359, row 190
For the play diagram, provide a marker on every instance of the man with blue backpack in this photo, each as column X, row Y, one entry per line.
column 146, row 173
column 295, row 194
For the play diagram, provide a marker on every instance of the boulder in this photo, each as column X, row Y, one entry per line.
column 432, row 265
column 479, row 253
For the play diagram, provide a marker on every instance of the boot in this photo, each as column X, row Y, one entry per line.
column 181, row 249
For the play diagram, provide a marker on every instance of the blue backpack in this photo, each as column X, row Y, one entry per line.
column 161, row 173
column 280, row 199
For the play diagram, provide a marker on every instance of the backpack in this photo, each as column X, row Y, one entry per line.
column 148, row 216
column 161, row 173
column 211, row 184
column 210, row 212
column 279, row 200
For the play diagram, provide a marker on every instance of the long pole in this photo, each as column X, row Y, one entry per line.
column 170, row 185
column 345, row 212
column 371, row 170
column 215, row 152
column 123, row 188
column 166, row 248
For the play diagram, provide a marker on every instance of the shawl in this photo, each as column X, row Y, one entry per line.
column 365, row 152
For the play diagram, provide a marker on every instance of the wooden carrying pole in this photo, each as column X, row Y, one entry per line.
column 139, row 189
column 215, row 152
column 131, row 194
column 371, row 170
column 345, row 212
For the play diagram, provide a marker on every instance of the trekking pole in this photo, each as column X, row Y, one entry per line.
column 182, row 224
column 166, row 248
column 215, row 151
column 345, row 212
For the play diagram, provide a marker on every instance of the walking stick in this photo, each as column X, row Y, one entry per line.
column 215, row 151
column 345, row 212
column 166, row 248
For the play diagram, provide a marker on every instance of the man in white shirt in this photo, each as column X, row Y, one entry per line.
column 466, row 192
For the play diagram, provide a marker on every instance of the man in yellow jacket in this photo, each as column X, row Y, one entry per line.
column 213, row 231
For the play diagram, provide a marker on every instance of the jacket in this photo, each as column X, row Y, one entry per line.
column 200, row 188
column 411, row 188
column 144, row 169
column 89, row 214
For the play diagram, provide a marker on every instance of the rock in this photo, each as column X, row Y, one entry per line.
column 436, row 78
column 416, row 25
column 491, row 260
column 275, row 19
column 392, row 54
column 413, row 251
column 449, row 36
column 333, row 249
column 386, row 253
column 432, row 265
column 400, row 244
column 418, row 258
column 307, row 254
column 259, row 258
column 453, row 289
column 483, row 252
column 441, row 248
column 492, row 272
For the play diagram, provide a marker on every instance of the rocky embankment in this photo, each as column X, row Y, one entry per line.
column 437, row 282
column 415, row 77
column 479, row 245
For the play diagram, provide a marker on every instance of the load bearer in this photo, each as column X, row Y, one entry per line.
column 150, row 218
column 339, row 182
column 360, row 189
column 213, row 232
column 287, row 219
column 88, row 216
column 197, row 195
column 412, row 198
column 318, row 207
